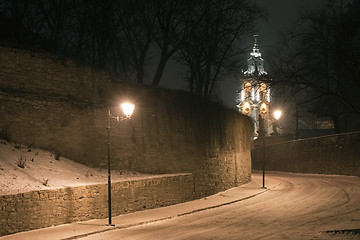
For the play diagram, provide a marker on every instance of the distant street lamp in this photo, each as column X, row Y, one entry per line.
column 127, row 109
column 262, row 137
column 277, row 115
column 262, row 133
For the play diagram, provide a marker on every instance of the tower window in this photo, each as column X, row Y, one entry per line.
column 263, row 91
column 247, row 88
column 262, row 87
column 246, row 108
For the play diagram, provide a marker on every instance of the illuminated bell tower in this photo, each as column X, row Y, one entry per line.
column 253, row 95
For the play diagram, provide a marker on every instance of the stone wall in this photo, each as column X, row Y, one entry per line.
column 334, row 154
column 61, row 106
column 39, row 209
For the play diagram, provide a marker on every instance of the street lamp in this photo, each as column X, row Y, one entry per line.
column 262, row 133
column 127, row 109
column 277, row 115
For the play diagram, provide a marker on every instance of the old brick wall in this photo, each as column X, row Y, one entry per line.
column 39, row 209
column 334, row 154
column 44, row 74
column 61, row 106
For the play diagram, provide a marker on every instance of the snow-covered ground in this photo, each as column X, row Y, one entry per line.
column 24, row 169
column 295, row 206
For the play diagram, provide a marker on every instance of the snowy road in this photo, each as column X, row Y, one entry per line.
column 301, row 206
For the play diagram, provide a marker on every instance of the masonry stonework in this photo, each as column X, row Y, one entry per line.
column 44, row 208
column 333, row 154
column 61, row 106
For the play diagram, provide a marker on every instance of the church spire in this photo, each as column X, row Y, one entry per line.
column 255, row 62
column 255, row 42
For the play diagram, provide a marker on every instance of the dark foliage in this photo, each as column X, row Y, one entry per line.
column 123, row 36
column 318, row 64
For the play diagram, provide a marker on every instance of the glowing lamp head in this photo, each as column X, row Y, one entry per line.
column 277, row 115
column 128, row 109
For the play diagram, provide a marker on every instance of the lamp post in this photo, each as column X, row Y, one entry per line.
column 297, row 122
column 262, row 137
column 128, row 109
column 277, row 115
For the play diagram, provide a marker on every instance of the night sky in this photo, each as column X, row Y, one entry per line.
column 281, row 13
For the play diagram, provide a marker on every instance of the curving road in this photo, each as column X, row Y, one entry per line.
column 297, row 206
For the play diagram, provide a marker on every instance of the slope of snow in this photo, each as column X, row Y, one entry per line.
column 24, row 169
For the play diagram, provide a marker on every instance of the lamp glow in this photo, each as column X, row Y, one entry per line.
column 277, row 114
column 128, row 109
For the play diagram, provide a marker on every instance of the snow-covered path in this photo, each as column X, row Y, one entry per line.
column 302, row 206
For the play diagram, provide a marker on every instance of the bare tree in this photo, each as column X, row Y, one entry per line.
column 173, row 27
column 54, row 22
column 212, row 49
column 320, row 61
column 22, row 22
column 120, row 35
column 137, row 23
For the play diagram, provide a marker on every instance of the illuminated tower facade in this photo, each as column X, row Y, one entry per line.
column 253, row 96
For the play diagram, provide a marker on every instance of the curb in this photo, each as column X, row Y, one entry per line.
column 166, row 218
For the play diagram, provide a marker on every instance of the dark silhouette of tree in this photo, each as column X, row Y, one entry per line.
column 173, row 27
column 137, row 22
column 319, row 62
column 19, row 24
column 97, row 32
column 53, row 22
column 122, row 36
column 212, row 49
